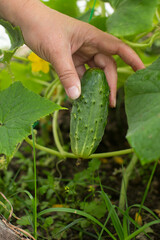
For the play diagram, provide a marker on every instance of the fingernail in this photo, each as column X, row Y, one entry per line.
column 73, row 92
column 114, row 102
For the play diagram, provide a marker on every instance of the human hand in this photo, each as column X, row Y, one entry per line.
column 68, row 44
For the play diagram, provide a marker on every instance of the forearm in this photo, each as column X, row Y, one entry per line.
column 17, row 11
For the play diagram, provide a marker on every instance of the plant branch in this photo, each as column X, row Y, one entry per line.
column 35, row 187
column 103, row 9
column 55, row 127
column 23, row 59
column 71, row 155
column 143, row 45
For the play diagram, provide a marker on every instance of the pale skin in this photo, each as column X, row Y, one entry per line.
column 68, row 44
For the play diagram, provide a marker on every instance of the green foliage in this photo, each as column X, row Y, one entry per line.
column 16, row 39
column 22, row 72
column 85, row 17
column 62, row 187
column 96, row 208
column 20, row 109
column 68, row 7
column 132, row 17
column 114, row 3
column 99, row 22
column 143, row 112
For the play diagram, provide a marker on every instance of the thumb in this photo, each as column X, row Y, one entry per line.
column 68, row 76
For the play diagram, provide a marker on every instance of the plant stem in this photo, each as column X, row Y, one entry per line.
column 45, row 149
column 111, row 154
column 71, row 155
column 35, row 187
column 55, row 127
column 92, row 11
column 126, row 176
column 44, row 83
column 126, row 70
column 21, row 58
column 143, row 45
column 52, row 88
column 103, row 9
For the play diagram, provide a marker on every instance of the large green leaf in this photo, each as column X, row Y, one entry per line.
column 99, row 22
column 114, row 3
column 68, row 7
column 19, row 109
column 16, row 39
column 22, row 72
column 85, row 16
column 142, row 103
column 132, row 17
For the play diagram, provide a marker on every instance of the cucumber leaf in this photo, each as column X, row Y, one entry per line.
column 132, row 17
column 85, row 16
column 99, row 22
column 16, row 39
column 142, row 102
column 22, row 72
column 114, row 3
column 19, row 109
column 68, row 7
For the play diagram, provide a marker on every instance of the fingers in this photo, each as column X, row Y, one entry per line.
column 67, row 73
column 80, row 70
column 130, row 57
column 108, row 64
column 113, row 46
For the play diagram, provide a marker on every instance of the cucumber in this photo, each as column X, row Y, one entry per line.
column 89, row 113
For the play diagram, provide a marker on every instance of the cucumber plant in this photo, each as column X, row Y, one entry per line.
column 137, row 24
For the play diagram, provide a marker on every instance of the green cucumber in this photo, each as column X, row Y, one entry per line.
column 89, row 113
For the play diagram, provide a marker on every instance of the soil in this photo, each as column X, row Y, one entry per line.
column 113, row 140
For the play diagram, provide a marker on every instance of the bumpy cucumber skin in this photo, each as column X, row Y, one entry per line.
column 89, row 113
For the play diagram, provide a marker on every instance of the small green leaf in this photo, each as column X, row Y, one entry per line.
column 94, row 165
column 19, row 109
column 16, row 39
column 132, row 17
column 48, row 222
column 142, row 104
column 96, row 208
column 24, row 221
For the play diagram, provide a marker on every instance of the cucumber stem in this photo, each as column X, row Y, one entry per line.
column 55, row 128
column 71, row 155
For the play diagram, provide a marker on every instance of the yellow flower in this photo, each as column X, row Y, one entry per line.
column 118, row 160
column 38, row 64
column 66, row 189
column 91, row 188
column 138, row 219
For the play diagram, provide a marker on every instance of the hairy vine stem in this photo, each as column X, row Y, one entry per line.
column 71, row 155
column 55, row 126
column 149, row 41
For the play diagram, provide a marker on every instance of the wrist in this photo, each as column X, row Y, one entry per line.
column 16, row 11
